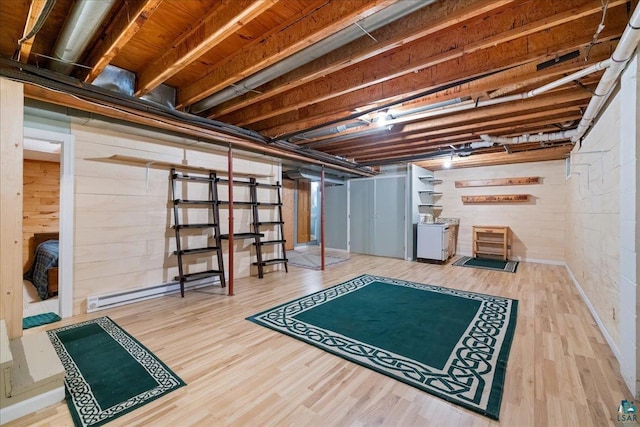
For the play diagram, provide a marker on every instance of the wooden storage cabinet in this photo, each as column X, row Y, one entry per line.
column 490, row 241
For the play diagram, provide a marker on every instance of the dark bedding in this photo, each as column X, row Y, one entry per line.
column 46, row 257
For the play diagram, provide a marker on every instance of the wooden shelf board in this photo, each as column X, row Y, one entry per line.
column 496, row 198
column 525, row 180
column 138, row 161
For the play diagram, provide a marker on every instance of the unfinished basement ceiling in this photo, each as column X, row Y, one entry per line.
column 321, row 75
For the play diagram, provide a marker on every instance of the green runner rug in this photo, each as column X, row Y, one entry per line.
column 39, row 320
column 449, row 343
column 487, row 264
column 108, row 372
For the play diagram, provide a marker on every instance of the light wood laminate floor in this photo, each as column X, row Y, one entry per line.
column 561, row 371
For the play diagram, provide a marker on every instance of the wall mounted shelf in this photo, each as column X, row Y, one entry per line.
column 526, row 180
column 497, row 198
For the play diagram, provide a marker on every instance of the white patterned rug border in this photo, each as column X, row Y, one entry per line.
column 79, row 394
column 469, row 374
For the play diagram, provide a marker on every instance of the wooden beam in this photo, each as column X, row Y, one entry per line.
column 324, row 21
column 225, row 19
column 513, row 53
column 496, row 198
column 427, row 52
column 124, row 25
column 157, row 122
column 428, row 20
column 35, row 9
column 523, row 180
column 435, row 145
column 553, row 104
column 489, row 159
column 11, row 180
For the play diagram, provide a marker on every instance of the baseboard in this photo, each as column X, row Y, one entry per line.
column 31, row 405
column 102, row 302
column 595, row 316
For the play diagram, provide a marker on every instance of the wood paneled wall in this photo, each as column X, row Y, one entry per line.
column 41, row 201
column 11, row 135
column 593, row 217
column 123, row 218
column 537, row 227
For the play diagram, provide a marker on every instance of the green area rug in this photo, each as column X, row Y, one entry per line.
column 487, row 264
column 449, row 343
column 108, row 372
column 39, row 320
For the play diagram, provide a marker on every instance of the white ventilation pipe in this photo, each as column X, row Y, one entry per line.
column 333, row 42
column 614, row 66
column 621, row 56
column 83, row 21
column 523, row 139
column 481, row 144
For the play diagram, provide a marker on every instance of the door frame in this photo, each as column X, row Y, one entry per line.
column 65, row 271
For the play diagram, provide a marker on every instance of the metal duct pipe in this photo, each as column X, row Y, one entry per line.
column 621, row 56
column 540, row 137
column 339, row 39
column 481, row 144
column 82, row 23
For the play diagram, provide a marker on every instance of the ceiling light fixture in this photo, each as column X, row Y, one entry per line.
column 447, row 161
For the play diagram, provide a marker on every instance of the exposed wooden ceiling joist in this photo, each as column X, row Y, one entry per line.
column 328, row 19
column 124, row 25
column 224, row 19
column 411, row 63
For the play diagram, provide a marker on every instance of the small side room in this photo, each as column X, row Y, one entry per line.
column 433, row 222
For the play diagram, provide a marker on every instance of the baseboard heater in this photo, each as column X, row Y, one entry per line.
column 102, row 302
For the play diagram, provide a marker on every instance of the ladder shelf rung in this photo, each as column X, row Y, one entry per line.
column 181, row 226
column 270, row 242
column 242, row 236
column 235, row 182
column 197, row 250
column 273, row 261
column 238, row 203
column 259, row 184
column 194, row 202
column 186, row 177
column 200, row 275
column 268, row 204
column 270, row 222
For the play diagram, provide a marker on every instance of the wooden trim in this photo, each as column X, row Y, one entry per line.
column 496, row 198
column 11, row 188
column 525, row 180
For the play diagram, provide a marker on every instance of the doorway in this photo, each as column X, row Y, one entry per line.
column 38, row 137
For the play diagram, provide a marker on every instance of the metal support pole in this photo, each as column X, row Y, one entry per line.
column 322, row 219
column 230, row 187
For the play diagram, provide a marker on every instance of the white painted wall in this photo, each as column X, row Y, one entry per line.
column 537, row 227
column 123, row 236
column 602, row 222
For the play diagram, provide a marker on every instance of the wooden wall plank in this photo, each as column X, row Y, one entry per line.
column 123, row 238
column 41, row 202
column 11, row 123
